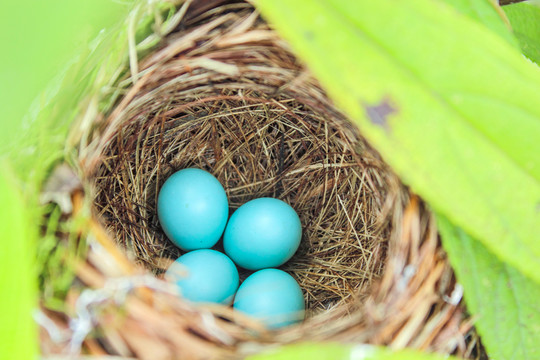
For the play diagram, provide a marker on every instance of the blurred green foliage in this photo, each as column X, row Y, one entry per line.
column 37, row 39
column 18, row 335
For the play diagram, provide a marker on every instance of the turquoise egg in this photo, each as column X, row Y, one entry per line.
column 193, row 209
column 271, row 296
column 262, row 233
column 205, row 276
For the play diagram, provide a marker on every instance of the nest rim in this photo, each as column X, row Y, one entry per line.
column 410, row 232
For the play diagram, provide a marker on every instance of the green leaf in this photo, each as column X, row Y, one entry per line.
column 488, row 13
column 335, row 351
column 504, row 301
column 18, row 333
column 452, row 107
column 525, row 20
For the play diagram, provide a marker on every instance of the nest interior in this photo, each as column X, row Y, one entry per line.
column 249, row 114
column 223, row 93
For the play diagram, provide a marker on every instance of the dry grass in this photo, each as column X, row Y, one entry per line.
column 256, row 146
column 223, row 93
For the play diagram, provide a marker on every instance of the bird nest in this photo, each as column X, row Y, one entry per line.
column 222, row 92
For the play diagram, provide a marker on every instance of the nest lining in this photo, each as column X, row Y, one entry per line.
column 224, row 93
column 256, row 146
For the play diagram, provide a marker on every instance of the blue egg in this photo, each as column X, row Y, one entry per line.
column 271, row 296
column 262, row 233
column 205, row 276
column 193, row 209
